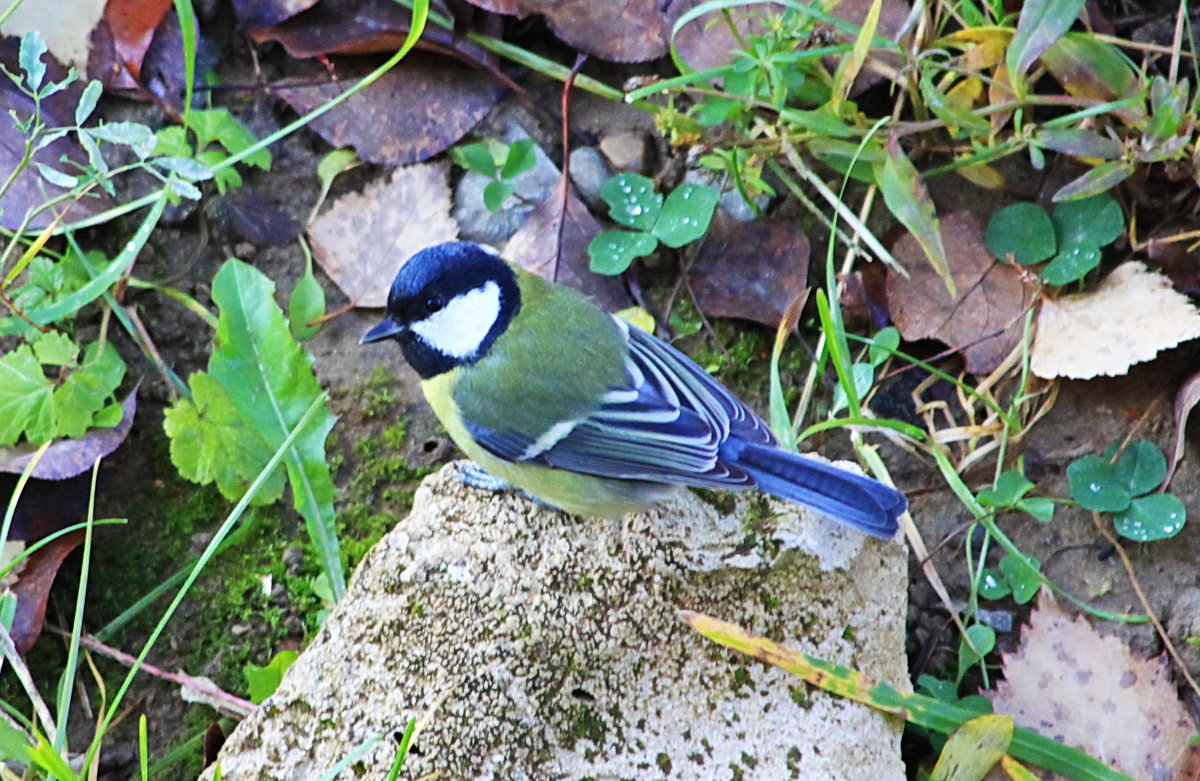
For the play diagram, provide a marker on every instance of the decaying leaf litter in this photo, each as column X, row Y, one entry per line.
column 1092, row 312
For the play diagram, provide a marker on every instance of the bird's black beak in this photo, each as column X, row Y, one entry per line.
column 385, row 330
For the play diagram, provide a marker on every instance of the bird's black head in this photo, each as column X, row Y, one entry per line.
column 447, row 305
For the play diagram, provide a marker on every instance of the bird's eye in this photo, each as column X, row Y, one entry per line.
column 434, row 304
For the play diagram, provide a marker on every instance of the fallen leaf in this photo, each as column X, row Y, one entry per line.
column 363, row 238
column 1185, row 399
column 984, row 321
column 70, row 457
column 65, row 26
column 29, row 190
column 750, row 270
column 625, row 31
column 1130, row 317
column 414, row 111
column 122, row 39
column 535, row 247
column 248, row 214
column 263, row 13
column 1086, row 690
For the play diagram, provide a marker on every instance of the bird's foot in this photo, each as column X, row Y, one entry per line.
column 472, row 474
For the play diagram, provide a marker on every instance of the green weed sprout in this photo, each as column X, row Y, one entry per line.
column 498, row 161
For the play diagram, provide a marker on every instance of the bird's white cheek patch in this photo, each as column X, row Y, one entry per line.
column 460, row 327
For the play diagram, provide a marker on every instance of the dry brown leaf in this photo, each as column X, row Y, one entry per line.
column 750, row 270
column 1186, row 398
column 414, row 111
column 1069, row 682
column 1131, row 316
column 362, row 239
column 64, row 25
column 985, row 321
column 535, row 247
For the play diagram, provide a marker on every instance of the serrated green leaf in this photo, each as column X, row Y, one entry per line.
column 632, row 200
column 54, row 348
column 1072, row 263
column 520, row 159
column 1023, row 230
column 24, row 398
column 263, row 681
column 258, row 386
column 612, row 252
column 1095, row 485
column 1141, row 468
column 87, row 390
column 1021, row 574
column 1098, row 221
column 686, row 214
column 220, row 126
column 1153, row 517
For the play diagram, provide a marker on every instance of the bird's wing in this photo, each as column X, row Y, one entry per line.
column 665, row 424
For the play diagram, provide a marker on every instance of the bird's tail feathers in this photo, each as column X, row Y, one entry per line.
column 858, row 501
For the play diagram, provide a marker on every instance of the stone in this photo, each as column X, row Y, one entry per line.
column 535, row 645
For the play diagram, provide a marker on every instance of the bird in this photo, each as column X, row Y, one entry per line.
column 548, row 393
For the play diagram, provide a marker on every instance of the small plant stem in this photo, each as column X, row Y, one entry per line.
column 1141, row 595
column 9, row 650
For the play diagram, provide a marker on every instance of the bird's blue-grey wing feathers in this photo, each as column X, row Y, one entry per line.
column 666, row 424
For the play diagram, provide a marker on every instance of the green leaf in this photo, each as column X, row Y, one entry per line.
column 686, row 215
column 1023, row 230
column 496, row 193
column 1021, row 574
column 612, row 252
column 333, row 164
column 1040, row 507
column 1101, row 178
column 258, row 385
column 1042, row 22
column 134, row 135
column 55, row 348
column 306, row 304
column 14, row 744
column 220, row 126
column 909, row 202
column 1010, row 487
column 87, row 101
column 173, row 141
column 1078, row 142
column 1095, row 485
column 87, row 390
column 30, row 59
column 1153, row 517
column 24, row 398
column 993, row 586
column 1097, row 220
column 520, row 159
column 1072, row 263
column 263, row 681
column 863, row 375
column 885, row 342
column 983, row 638
column 476, row 157
column 1141, row 468
column 632, row 201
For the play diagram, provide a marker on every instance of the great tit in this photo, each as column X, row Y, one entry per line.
column 548, row 393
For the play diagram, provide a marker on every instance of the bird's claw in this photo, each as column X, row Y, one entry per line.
column 473, row 474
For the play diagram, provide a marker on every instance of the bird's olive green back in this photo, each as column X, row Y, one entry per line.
column 554, row 363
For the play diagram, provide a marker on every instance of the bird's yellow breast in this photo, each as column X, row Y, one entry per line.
column 573, row 492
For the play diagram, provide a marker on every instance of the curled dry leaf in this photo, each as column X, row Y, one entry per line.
column 535, row 247
column 749, row 270
column 1187, row 398
column 1090, row 691
column 984, row 321
column 620, row 30
column 414, row 111
column 1130, row 317
column 121, row 40
column 363, row 238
